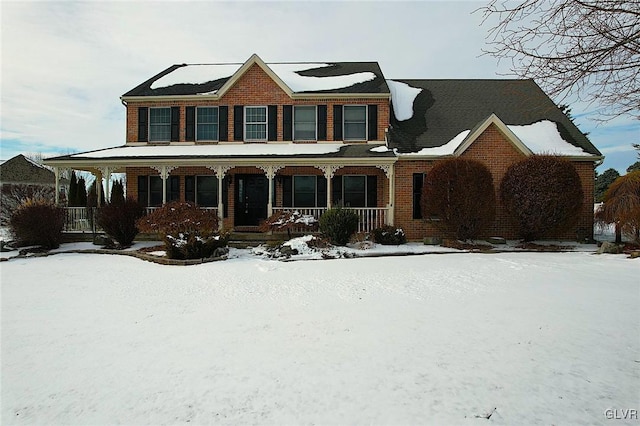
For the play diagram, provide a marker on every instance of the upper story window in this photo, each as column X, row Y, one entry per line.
column 355, row 122
column 207, row 124
column 304, row 123
column 159, row 124
column 255, row 123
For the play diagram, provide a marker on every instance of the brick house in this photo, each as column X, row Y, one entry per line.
column 250, row 139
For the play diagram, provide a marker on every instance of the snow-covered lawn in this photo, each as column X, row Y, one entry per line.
column 542, row 338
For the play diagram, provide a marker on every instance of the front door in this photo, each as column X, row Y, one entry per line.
column 251, row 194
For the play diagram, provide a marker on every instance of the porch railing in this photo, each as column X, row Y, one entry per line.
column 79, row 219
column 370, row 217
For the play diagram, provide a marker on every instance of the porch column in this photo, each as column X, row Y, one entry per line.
column 164, row 174
column 329, row 170
column 105, row 172
column 388, row 171
column 99, row 187
column 270, row 171
column 57, row 184
column 221, row 170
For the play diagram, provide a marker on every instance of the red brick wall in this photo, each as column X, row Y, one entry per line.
column 255, row 87
column 497, row 153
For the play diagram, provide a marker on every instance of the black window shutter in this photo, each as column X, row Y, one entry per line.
column 272, row 117
column 190, row 188
column 143, row 191
column 322, row 122
column 175, row 124
column 143, row 128
column 287, row 122
column 337, row 122
column 223, row 126
column 372, row 191
column 373, row 123
column 173, row 188
column 336, row 191
column 190, row 118
column 418, row 182
column 225, row 196
column 238, row 123
column 321, row 194
column 287, row 191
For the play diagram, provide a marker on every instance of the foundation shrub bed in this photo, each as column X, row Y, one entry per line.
column 38, row 222
column 188, row 232
column 118, row 220
column 338, row 225
column 389, row 235
column 458, row 197
column 542, row 196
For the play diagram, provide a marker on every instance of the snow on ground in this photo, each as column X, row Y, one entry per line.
column 544, row 338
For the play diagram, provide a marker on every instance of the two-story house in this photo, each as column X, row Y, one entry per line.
column 250, row 139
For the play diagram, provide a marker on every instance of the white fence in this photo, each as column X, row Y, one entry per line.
column 370, row 217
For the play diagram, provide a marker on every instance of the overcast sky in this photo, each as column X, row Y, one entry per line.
column 65, row 64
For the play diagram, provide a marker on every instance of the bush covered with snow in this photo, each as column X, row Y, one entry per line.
column 542, row 195
column 289, row 220
column 37, row 222
column 338, row 225
column 188, row 231
column 458, row 197
column 118, row 220
column 389, row 235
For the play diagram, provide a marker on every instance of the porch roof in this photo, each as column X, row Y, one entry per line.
column 227, row 153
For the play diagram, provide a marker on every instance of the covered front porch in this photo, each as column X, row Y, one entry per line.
column 244, row 191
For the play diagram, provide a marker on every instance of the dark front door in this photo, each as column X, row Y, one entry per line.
column 252, row 193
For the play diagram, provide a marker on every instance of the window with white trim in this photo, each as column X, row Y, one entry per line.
column 207, row 124
column 255, row 123
column 355, row 122
column 304, row 123
column 159, row 124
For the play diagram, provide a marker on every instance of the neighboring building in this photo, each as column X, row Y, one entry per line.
column 21, row 170
column 250, row 139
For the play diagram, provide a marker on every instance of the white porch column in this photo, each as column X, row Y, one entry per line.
column 164, row 174
column 270, row 171
column 388, row 170
column 105, row 172
column 99, row 188
column 329, row 171
column 220, row 171
column 56, row 171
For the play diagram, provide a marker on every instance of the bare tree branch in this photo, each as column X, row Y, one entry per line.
column 586, row 48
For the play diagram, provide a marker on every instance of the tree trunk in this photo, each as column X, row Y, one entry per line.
column 618, row 234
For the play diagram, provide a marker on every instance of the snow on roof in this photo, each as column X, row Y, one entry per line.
column 543, row 137
column 288, row 73
column 402, row 97
column 446, row 149
column 196, row 74
column 219, row 150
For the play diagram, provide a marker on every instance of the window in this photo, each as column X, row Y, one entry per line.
column 255, row 127
column 150, row 190
column 355, row 122
column 155, row 191
column 304, row 123
column 418, row 183
column 207, row 124
column 207, row 191
column 159, row 124
column 304, row 191
column 354, row 191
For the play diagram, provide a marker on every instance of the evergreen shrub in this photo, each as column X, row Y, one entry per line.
column 118, row 220
column 542, row 196
column 37, row 222
column 389, row 235
column 339, row 225
column 458, row 197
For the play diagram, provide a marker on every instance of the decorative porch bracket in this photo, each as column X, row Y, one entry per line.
column 220, row 170
column 164, row 174
column 270, row 171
